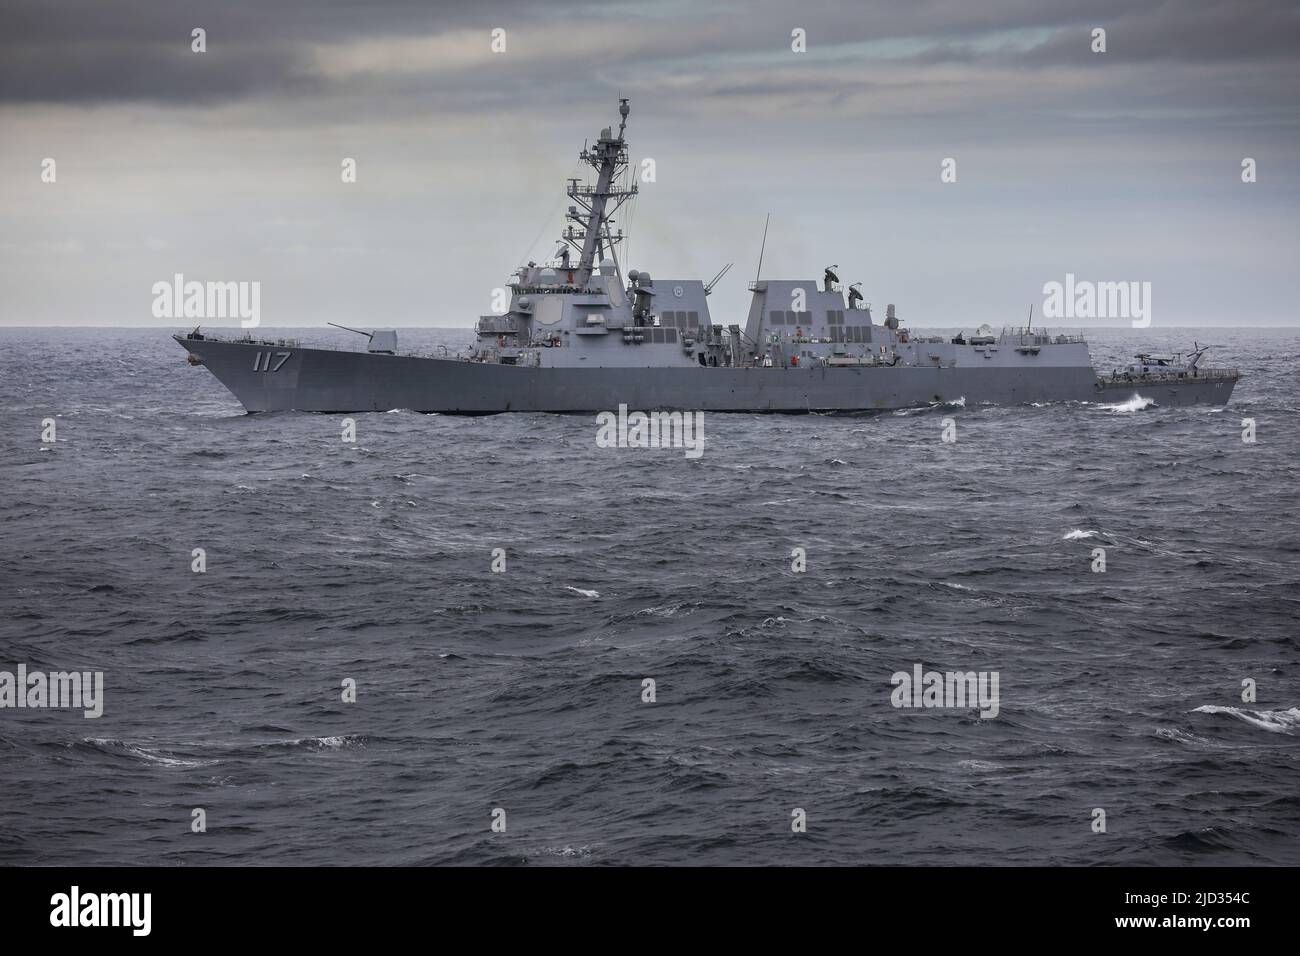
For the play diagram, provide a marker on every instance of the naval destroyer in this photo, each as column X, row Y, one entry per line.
column 579, row 336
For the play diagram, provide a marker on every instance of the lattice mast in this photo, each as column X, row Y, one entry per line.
column 596, row 205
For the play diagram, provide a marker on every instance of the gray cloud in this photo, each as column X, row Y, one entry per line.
column 1123, row 165
column 86, row 51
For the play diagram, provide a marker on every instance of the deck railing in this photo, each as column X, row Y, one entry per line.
column 1200, row 375
column 1031, row 336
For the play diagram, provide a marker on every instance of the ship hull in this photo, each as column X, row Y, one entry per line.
column 265, row 379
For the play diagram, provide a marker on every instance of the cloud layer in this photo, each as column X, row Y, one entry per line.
column 225, row 165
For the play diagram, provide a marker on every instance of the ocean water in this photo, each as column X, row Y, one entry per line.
column 522, row 690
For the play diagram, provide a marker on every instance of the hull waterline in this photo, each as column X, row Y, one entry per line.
column 266, row 378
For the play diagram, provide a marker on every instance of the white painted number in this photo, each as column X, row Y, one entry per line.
column 262, row 361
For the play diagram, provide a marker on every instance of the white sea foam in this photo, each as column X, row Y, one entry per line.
column 580, row 852
column 1274, row 721
column 1079, row 533
column 325, row 743
column 145, row 754
column 1183, row 737
column 667, row 610
column 584, row 593
column 1134, row 404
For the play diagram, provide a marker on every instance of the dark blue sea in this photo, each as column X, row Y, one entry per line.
column 328, row 561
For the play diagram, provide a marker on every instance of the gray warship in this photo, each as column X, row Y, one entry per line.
column 579, row 336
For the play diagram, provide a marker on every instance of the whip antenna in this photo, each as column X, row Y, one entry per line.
column 762, row 248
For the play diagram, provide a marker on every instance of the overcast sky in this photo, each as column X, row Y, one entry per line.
column 225, row 165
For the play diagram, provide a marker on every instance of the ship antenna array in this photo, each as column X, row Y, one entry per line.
column 592, row 214
column 762, row 248
column 714, row 281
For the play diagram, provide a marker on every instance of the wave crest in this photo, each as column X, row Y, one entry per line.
column 1274, row 721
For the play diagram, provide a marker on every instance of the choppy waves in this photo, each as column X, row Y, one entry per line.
column 673, row 655
column 1274, row 721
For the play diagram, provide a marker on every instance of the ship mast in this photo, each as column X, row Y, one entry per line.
column 593, row 233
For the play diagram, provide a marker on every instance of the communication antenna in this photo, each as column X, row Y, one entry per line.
column 762, row 248
column 714, row 281
column 1030, row 326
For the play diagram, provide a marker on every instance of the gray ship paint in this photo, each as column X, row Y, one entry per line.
column 578, row 336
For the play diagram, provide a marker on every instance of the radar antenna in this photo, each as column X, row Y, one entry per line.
column 590, row 232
